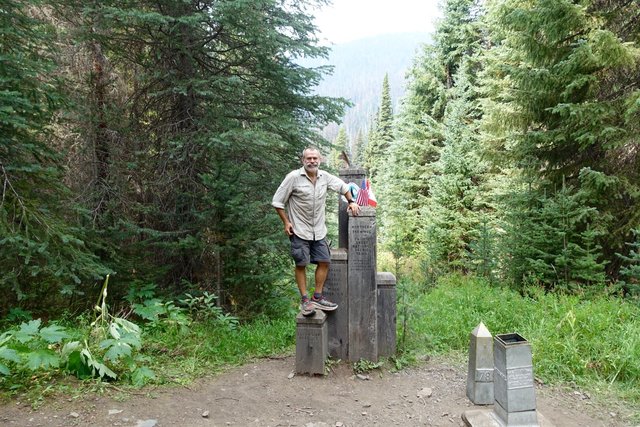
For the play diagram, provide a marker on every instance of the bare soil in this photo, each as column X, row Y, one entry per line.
column 265, row 393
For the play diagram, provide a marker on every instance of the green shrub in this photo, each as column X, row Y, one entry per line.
column 573, row 339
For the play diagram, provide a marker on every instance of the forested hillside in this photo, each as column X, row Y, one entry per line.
column 358, row 70
column 145, row 139
column 141, row 143
column 515, row 154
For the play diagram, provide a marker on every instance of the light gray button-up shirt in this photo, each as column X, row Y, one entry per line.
column 307, row 201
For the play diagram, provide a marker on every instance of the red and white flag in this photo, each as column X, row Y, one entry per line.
column 365, row 195
column 372, row 198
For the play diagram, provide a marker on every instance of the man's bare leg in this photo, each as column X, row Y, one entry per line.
column 301, row 279
column 321, row 276
column 306, row 306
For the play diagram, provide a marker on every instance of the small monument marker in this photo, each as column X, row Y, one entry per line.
column 513, row 381
column 480, row 375
column 513, row 388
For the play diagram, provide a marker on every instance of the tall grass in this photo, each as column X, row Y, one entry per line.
column 182, row 355
column 592, row 341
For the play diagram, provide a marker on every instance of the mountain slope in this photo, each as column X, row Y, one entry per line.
column 359, row 68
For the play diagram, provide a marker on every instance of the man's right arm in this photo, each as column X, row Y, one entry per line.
column 288, row 227
column 280, row 199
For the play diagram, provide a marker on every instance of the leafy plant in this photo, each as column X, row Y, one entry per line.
column 161, row 314
column 16, row 314
column 30, row 347
column 111, row 348
column 364, row 366
column 140, row 293
column 329, row 364
column 204, row 307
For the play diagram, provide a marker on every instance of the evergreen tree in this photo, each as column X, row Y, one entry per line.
column 381, row 136
column 436, row 142
column 550, row 240
column 483, row 252
column 561, row 89
column 630, row 272
column 340, row 145
column 45, row 259
column 456, row 197
column 358, row 149
column 217, row 111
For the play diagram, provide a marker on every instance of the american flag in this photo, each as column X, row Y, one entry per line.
column 363, row 194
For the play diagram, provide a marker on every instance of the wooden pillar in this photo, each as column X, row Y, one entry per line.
column 363, row 332
column 336, row 289
column 386, row 284
column 311, row 343
column 355, row 175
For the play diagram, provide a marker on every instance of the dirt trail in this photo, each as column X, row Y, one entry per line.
column 265, row 393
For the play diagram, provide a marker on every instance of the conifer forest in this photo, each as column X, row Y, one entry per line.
column 144, row 140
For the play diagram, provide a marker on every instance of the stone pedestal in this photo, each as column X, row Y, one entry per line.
column 515, row 397
column 311, row 343
column 386, row 284
column 363, row 332
column 336, row 289
column 355, row 175
column 480, row 374
column 488, row 418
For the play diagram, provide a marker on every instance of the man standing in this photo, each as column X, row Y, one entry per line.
column 304, row 190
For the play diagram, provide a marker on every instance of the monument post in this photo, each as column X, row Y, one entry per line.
column 386, row 284
column 354, row 175
column 311, row 343
column 362, row 300
column 480, row 374
column 336, row 289
column 515, row 395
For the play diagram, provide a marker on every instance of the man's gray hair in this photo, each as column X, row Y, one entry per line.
column 311, row 148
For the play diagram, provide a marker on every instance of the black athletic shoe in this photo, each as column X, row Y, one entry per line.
column 324, row 304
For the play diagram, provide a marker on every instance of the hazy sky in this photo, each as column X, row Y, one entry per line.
column 347, row 20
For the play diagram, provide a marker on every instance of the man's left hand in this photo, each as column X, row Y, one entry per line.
column 354, row 208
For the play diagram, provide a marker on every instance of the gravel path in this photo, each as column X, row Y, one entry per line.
column 265, row 393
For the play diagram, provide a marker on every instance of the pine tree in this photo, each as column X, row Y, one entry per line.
column 456, row 200
column 381, row 135
column 358, row 149
column 560, row 105
column 551, row 241
column 630, row 272
column 340, row 145
column 45, row 257
column 434, row 155
column 217, row 111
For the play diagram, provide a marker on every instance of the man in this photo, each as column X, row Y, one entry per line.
column 304, row 190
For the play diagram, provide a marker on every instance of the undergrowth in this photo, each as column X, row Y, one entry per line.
column 160, row 341
column 593, row 342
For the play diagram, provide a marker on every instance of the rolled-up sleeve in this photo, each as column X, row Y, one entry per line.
column 283, row 192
